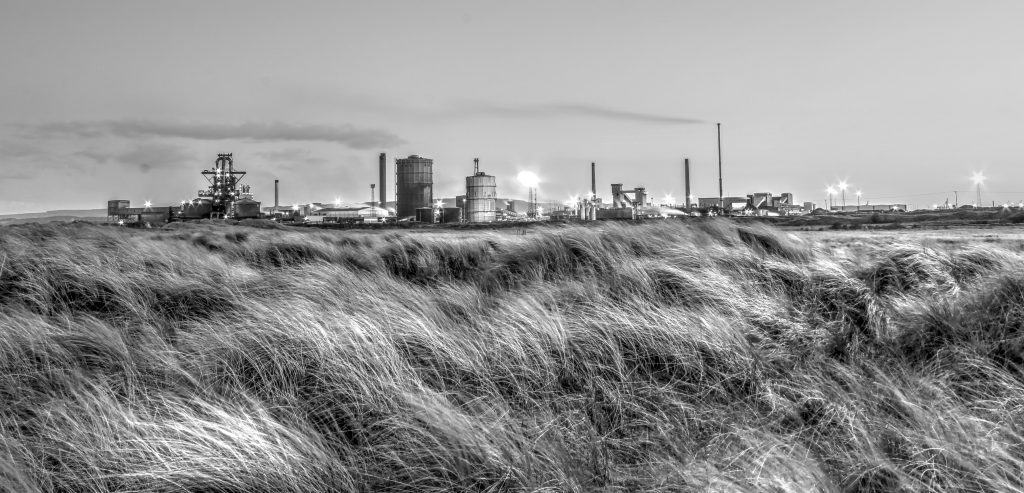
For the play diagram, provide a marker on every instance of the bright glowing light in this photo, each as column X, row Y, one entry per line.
column 337, row 201
column 528, row 179
column 978, row 178
column 830, row 190
column 120, row 222
column 858, row 193
column 842, row 185
column 669, row 199
column 148, row 203
column 295, row 207
column 439, row 204
column 540, row 210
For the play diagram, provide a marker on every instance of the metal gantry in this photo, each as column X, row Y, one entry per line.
column 223, row 191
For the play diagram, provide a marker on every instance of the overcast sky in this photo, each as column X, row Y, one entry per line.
column 132, row 99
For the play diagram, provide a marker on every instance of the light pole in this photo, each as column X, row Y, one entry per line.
column 842, row 188
column 858, row 200
column 830, row 192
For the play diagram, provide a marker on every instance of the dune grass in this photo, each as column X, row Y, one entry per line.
column 661, row 357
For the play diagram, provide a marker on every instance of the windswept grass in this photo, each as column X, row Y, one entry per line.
column 661, row 357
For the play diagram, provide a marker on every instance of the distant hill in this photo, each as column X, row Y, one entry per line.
column 53, row 216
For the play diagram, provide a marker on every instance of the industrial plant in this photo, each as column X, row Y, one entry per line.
column 225, row 197
column 222, row 199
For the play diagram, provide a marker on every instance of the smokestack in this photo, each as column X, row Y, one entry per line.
column 721, row 203
column 275, row 194
column 476, row 166
column 686, row 177
column 593, row 181
column 383, row 180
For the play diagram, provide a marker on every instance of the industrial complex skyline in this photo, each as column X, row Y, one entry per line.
column 903, row 101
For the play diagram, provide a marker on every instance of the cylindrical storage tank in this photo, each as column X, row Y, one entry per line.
column 451, row 215
column 425, row 215
column 480, row 194
column 414, row 184
column 197, row 209
column 247, row 209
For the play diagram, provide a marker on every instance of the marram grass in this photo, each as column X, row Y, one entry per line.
column 704, row 356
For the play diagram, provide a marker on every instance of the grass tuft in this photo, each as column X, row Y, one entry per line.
column 669, row 356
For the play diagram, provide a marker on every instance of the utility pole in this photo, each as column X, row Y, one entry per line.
column 721, row 202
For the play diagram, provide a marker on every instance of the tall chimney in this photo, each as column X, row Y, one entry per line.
column 686, row 177
column 476, row 166
column 275, row 195
column 593, row 180
column 383, row 181
column 721, row 202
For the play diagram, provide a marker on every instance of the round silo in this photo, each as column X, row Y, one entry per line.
column 480, row 194
column 197, row 209
column 247, row 209
column 414, row 184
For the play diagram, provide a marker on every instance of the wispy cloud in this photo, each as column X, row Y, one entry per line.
column 569, row 110
column 348, row 135
column 292, row 158
column 145, row 156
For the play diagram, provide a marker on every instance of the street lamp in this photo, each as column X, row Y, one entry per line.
column 858, row 200
column 978, row 178
column 830, row 191
column 842, row 187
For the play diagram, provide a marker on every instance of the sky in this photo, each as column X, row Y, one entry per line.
column 904, row 100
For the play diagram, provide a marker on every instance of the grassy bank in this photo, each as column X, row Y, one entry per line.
column 666, row 356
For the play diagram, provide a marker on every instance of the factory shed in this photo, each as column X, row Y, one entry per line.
column 347, row 214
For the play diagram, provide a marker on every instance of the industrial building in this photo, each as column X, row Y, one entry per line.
column 123, row 212
column 480, row 198
column 224, row 199
column 414, row 185
column 621, row 198
column 413, row 198
column 870, row 208
column 758, row 203
column 338, row 215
